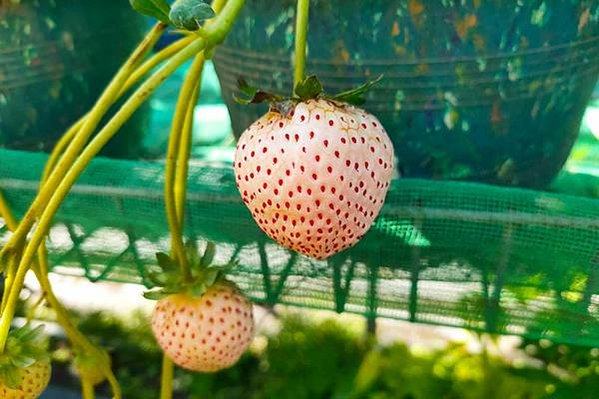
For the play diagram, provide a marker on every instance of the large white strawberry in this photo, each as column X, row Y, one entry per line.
column 315, row 175
column 24, row 365
column 204, row 323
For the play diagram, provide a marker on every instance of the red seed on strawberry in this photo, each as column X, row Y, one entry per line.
column 208, row 333
column 337, row 166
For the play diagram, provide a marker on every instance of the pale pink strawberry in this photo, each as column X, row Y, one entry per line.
column 33, row 380
column 316, row 179
column 208, row 333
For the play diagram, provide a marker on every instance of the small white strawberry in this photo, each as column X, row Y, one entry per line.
column 24, row 365
column 315, row 175
column 207, row 333
column 204, row 323
column 32, row 381
column 88, row 365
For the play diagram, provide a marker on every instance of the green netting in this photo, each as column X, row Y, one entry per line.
column 462, row 254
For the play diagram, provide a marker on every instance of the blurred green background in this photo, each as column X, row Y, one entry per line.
column 320, row 358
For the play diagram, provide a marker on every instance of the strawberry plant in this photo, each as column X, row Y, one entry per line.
column 135, row 80
column 314, row 172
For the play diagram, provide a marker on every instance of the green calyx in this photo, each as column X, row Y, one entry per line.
column 183, row 14
column 204, row 273
column 25, row 346
column 307, row 89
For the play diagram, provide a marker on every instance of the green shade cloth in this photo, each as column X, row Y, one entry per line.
column 487, row 258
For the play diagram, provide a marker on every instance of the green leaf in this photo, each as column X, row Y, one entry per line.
column 165, row 262
column 252, row 95
column 224, row 269
column 155, row 295
column 211, row 276
column 198, row 290
column 189, row 14
column 245, row 88
column 193, row 253
column 158, row 9
column 159, row 279
column 356, row 96
column 209, row 253
column 309, row 88
column 22, row 361
column 26, row 333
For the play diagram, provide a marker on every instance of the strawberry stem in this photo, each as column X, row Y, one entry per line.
column 87, row 389
column 174, row 189
column 166, row 378
column 75, row 153
column 185, row 151
column 41, row 272
column 54, row 192
column 80, row 139
column 301, row 33
column 177, row 169
column 179, row 148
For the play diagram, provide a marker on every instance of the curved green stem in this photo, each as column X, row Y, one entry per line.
column 59, row 149
column 216, row 31
column 61, row 190
column 217, row 6
column 10, row 271
column 135, row 77
column 41, row 272
column 185, row 152
column 82, row 135
column 139, row 73
column 301, row 34
column 176, row 179
column 166, row 378
column 182, row 161
column 56, row 189
column 87, row 389
column 31, row 309
column 174, row 215
column 156, row 59
column 75, row 336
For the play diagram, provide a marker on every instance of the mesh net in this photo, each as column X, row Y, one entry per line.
column 486, row 258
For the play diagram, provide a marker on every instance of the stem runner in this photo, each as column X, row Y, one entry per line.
column 301, row 34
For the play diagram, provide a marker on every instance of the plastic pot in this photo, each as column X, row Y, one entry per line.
column 56, row 56
column 477, row 90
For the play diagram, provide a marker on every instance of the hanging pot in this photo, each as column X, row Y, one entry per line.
column 56, row 56
column 477, row 90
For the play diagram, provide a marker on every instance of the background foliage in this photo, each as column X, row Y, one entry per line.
column 311, row 359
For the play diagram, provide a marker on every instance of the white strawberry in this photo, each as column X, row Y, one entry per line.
column 24, row 364
column 207, row 333
column 315, row 177
column 203, row 322
column 32, row 381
